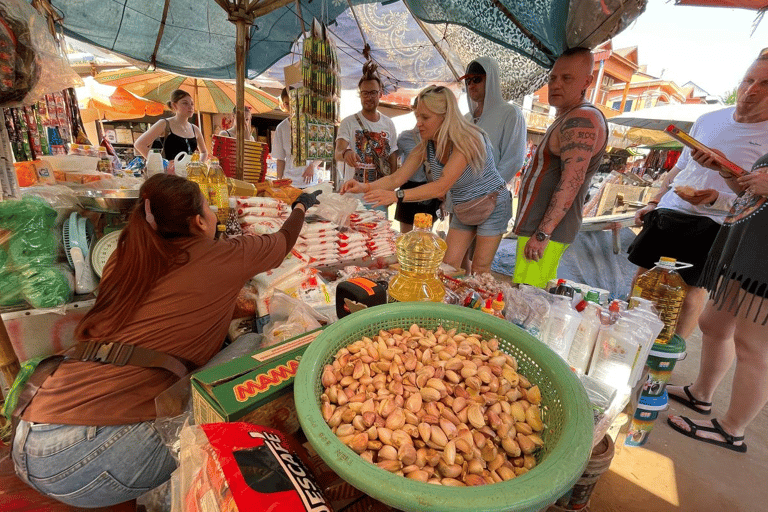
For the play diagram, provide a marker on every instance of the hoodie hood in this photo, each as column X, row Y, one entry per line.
column 493, row 99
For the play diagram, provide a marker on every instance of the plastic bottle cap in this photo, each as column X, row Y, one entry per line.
column 667, row 259
column 422, row 220
column 581, row 306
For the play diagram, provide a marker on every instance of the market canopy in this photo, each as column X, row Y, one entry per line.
column 658, row 118
column 213, row 96
column 99, row 101
column 197, row 38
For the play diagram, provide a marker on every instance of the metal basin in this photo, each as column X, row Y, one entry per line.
column 108, row 200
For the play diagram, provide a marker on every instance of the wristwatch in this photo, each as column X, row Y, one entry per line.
column 541, row 236
column 400, row 194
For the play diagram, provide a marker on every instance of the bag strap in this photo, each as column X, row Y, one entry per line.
column 365, row 130
column 120, row 354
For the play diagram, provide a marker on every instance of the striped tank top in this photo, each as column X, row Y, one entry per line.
column 469, row 185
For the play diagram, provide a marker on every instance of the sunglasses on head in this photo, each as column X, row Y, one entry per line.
column 433, row 88
column 474, row 79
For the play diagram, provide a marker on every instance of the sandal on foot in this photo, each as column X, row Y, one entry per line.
column 692, row 402
column 715, row 428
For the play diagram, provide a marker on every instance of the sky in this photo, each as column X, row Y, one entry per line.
column 710, row 46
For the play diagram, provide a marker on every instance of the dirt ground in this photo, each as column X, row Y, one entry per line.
column 672, row 473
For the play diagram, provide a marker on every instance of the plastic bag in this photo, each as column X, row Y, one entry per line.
column 38, row 64
column 336, row 208
column 29, row 247
column 243, row 467
column 289, row 317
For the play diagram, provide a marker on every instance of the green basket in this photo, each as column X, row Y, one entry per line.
column 565, row 410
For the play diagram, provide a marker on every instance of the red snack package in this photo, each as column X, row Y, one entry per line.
column 249, row 467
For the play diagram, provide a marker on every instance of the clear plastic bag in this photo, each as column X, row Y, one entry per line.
column 336, row 208
column 290, row 317
column 39, row 65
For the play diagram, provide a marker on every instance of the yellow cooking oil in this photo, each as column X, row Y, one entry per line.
column 665, row 287
column 419, row 253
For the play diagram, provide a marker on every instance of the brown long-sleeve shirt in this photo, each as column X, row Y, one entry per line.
column 185, row 314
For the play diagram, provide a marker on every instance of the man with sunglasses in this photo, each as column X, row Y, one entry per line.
column 503, row 122
column 367, row 137
column 556, row 181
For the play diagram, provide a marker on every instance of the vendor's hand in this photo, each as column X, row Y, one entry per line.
column 707, row 158
column 642, row 212
column 534, row 249
column 756, row 182
column 309, row 174
column 353, row 187
column 379, row 197
column 308, row 200
column 704, row 196
column 351, row 158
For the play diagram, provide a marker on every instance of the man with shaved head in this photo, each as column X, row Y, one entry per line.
column 556, row 181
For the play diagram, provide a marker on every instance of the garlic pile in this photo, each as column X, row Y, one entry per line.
column 437, row 407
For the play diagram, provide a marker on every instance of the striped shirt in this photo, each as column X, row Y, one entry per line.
column 540, row 180
column 469, row 185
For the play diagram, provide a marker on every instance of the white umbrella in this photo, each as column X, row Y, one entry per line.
column 658, row 118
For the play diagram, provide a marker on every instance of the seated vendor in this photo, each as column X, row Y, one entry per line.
column 88, row 437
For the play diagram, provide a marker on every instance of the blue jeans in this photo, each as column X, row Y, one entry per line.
column 96, row 466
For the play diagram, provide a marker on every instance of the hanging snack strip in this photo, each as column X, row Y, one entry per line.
column 315, row 105
column 39, row 129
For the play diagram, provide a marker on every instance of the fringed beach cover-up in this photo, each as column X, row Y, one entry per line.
column 736, row 271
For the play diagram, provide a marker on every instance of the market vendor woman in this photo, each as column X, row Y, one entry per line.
column 458, row 157
column 179, row 135
column 88, row 437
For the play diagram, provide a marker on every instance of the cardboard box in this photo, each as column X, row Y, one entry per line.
column 256, row 389
column 123, row 136
column 293, row 75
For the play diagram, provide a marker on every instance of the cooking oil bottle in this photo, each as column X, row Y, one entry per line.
column 419, row 253
column 664, row 286
column 218, row 193
column 197, row 171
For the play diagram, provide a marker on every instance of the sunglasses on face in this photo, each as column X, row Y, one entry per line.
column 369, row 94
column 474, row 80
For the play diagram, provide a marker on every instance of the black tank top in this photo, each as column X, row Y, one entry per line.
column 174, row 144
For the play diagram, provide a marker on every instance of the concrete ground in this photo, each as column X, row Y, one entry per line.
column 672, row 472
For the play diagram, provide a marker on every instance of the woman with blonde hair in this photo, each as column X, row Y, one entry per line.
column 458, row 158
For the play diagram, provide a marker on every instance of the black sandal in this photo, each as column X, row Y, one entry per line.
column 692, row 403
column 715, row 428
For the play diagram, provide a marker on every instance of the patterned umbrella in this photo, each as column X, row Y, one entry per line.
column 213, row 96
column 99, row 101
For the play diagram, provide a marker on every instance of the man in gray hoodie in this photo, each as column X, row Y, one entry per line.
column 503, row 122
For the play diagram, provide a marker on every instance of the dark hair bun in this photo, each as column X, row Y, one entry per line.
column 370, row 71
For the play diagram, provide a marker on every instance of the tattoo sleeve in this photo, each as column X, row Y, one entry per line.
column 578, row 136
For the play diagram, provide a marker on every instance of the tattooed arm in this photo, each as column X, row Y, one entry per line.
column 579, row 138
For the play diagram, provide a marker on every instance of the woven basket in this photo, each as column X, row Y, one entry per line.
column 565, row 411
